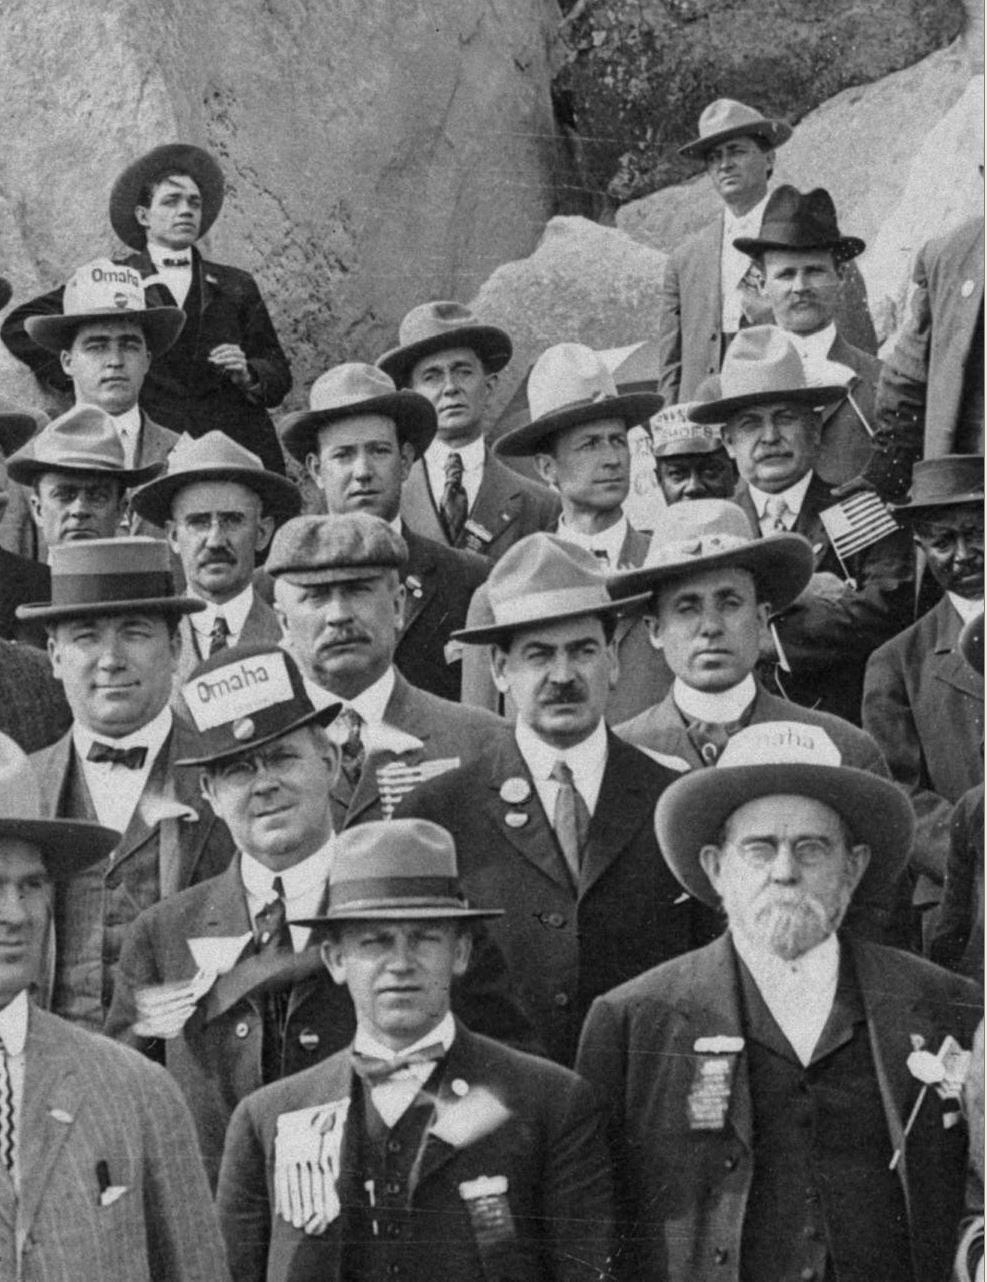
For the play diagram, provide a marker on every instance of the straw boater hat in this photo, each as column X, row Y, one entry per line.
column 762, row 367
column 793, row 220
column 83, row 439
column 332, row 549
column 396, row 870
column 783, row 758
column 214, row 457
column 438, row 326
column 105, row 290
column 66, row 845
column 569, row 384
column 949, row 481
column 710, row 534
column 725, row 118
column 543, row 579
column 110, row 576
column 172, row 158
column 352, row 389
column 246, row 696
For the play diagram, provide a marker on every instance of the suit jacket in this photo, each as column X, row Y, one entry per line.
column 958, row 941
column 685, row 1191
column 925, row 707
column 261, row 625
column 507, row 507
column 827, row 644
column 847, row 445
column 690, row 337
column 87, row 1101
column 22, row 581
column 439, row 582
column 33, row 707
column 566, row 944
column 520, row 1117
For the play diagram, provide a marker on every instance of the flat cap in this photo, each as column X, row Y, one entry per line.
column 324, row 549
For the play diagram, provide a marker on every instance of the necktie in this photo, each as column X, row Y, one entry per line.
column 602, row 557
column 454, row 504
column 571, row 819
column 219, row 635
column 6, row 1114
column 352, row 749
column 176, row 262
column 775, row 511
column 377, row 1071
column 272, row 935
column 108, row 753
column 709, row 739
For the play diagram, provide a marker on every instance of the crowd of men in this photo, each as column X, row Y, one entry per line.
column 454, row 881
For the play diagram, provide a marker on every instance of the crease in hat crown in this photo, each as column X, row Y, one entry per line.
column 83, row 439
column 439, row 325
column 320, row 549
column 726, row 118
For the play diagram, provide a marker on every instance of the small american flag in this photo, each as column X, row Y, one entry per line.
column 856, row 522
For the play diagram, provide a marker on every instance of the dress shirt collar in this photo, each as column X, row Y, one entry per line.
column 234, row 611
column 129, row 421
column 364, row 1043
column 158, row 253
column 814, row 347
column 966, row 608
column 720, row 707
column 473, row 454
column 584, row 759
column 312, row 873
column 610, row 541
column 371, row 703
column 748, row 224
column 794, row 496
column 13, row 1023
column 150, row 736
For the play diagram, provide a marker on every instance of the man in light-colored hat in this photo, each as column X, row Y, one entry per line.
column 219, row 507
column 113, row 640
column 783, row 1103
column 554, row 820
column 860, row 593
column 578, row 438
column 433, row 1152
column 690, row 461
column 458, row 493
column 709, row 290
column 922, row 703
column 340, row 593
column 227, row 365
column 101, row 1177
column 358, row 441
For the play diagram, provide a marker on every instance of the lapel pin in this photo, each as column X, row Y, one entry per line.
column 515, row 819
column 414, row 585
column 60, row 1115
column 515, row 791
column 459, row 1087
column 967, row 289
column 718, row 1045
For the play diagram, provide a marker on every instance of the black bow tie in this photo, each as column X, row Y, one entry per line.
column 176, row 262
column 132, row 758
column 376, row 1071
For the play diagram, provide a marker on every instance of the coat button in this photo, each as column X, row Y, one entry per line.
column 242, row 1029
column 394, row 1146
column 807, row 1275
column 562, row 999
column 720, row 1255
column 730, row 1163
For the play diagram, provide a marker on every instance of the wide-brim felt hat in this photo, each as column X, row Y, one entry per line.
column 442, row 325
column 215, row 457
column 354, row 389
column 726, row 118
column 170, row 158
column 947, row 481
column 783, row 759
column 83, row 439
column 17, row 426
column 762, row 367
column 796, row 221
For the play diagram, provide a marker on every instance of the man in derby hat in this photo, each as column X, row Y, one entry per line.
column 358, row 441
column 219, row 507
column 771, row 425
column 690, row 461
column 458, row 493
column 554, row 820
column 922, row 702
column 99, row 1173
column 802, row 256
column 768, row 1097
column 113, row 640
column 709, row 290
column 578, row 438
column 433, row 1151
column 226, row 366
column 340, row 592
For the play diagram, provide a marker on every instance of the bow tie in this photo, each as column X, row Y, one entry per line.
column 176, row 262
column 376, row 1071
column 132, row 758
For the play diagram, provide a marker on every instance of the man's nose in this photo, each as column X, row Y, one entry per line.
column 693, row 487
column 12, row 910
column 785, row 867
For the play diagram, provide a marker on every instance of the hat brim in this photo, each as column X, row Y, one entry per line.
column 176, row 157
column 413, row 415
column 916, row 509
column 633, row 408
column 843, row 248
column 48, row 613
column 720, row 411
column 686, row 446
column 56, row 333
column 6, row 291
column 318, row 717
column 495, row 632
column 692, row 811
column 67, row 845
column 389, row 910
column 492, row 345
column 26, row 470
column 774, row 133
column 15, row 431
column 782, row 565
column 281, row 499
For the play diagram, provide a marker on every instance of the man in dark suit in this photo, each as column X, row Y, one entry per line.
column 21, row 579
column 556, row 818
column 99, row 1174
column 771, row 428
column 358, row 441
column 768, row 1113
column 113, row 641
column 458, row 493
column 226, row 367
column 434, row 1152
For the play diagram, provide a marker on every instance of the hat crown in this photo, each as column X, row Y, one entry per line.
column 349, row 384
column 761, row 360
column 84, row 439
column 951, row 478
column 104, row 286
column 698, row 528
column 324, row 544
column 121, row 557
column 673, row 432
column 727, row 113
column 540, row 574
column 20, row 792
column 565, row 375
column 777, row 743
column 243, row 695
column 433, row 320
column 215, row 450
column 398, row 852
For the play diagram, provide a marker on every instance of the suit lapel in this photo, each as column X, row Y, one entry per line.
column 624, row 804
column 665, row 732
column 534, row 838
column 946, row 664
column 808, row 523
column 495, row 508
column 419, row 579
column 418, row 506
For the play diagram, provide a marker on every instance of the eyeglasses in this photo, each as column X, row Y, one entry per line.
column 807, row 853
column 241, row 771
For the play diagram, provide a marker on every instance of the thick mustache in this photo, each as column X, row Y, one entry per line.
column 341, row 636
column 563, row 694
column 218, row 558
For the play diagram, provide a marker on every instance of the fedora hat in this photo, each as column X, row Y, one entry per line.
column 105, row 290
column 110, row 576
column 725, row 118
column 569, row 384
column 355, row 389
column 762, row 367
column 710, row 534
column 83, row 439
column 214, row 457
column 947, row 481
column 17, row 425
column 331, row 549
column 437, row 326
column 797, row 220
column 171, row 158
column 66, row 845
column 783, row 758
column 246, row 696
column 543, row 579
column 396, row 870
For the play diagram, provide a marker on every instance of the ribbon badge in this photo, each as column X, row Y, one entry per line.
column 307, row 1158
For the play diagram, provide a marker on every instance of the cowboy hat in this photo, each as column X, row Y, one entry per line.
column 726, row 118
column 438, row 326
column 83, row 439
column 171, row 158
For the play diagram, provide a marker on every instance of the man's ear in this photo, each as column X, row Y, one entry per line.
column 462, row 953
column 407, row 459
column 498, row 668
column 546, row 468
column 710, row 860
column 265, row 532
column 142, row 216
column 654, row 632
column 858, row 857
column 331, row 951
column 313, row 466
